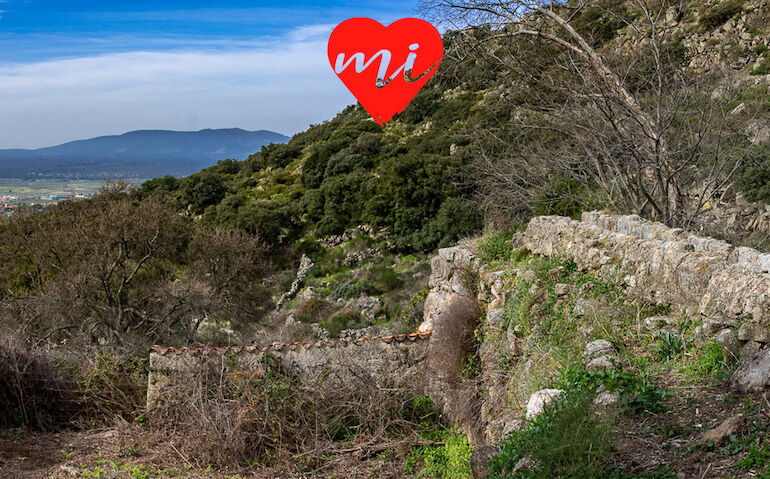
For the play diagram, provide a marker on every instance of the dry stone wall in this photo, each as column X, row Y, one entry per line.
column 665, row 265
column 386, row 360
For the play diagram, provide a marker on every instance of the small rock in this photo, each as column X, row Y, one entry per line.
column 654, row 323
column 720, row 434
column 712, row 326
column 600, row 347
column 518, row 240
column 319, row 331
column 731, row 346
column 480, row 461
column 602, row 363
column 749, row 350
column 585, row 306
column 494, row 318
column 751, row 331
column 562, row 288
column 529, row 275
column 539, row 400
column 606, row 399
column 754, row 374
column 738, row 109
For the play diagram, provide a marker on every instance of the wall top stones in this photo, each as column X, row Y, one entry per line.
column 326, row 343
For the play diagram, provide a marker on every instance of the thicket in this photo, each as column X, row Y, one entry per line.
column 117, row 271
column 269, row 416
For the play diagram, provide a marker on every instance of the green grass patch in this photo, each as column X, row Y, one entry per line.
column 450, row 460
column 569, row 439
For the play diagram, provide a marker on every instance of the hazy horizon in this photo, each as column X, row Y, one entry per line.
column 107, row 68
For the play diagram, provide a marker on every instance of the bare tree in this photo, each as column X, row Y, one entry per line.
column 113, row 269
column 636, row 125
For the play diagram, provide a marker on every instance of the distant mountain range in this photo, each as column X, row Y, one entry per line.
column 137, row 154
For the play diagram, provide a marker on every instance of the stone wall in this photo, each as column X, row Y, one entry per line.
column 386, row 360
column 708, row 279
column 700, row 275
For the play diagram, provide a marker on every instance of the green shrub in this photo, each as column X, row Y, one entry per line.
column 568, row 439
column 203, row 189
column 764, row 67
column 637, row 392
column 671, row 345
column 387, row 281
column 754, row 182
column 716, row 16
column 709, row 360
column 496, row 246
column 451, row 460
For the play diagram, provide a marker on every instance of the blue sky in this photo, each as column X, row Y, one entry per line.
column 78, row 69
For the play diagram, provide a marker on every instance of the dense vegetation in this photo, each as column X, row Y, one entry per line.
column 508, row 128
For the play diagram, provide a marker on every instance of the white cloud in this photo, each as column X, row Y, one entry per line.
column 277, row 85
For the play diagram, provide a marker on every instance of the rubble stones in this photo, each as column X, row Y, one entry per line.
column 600, row 355
column 539, row 400
column 749, row 350
column 655, row 323
column 711, row 327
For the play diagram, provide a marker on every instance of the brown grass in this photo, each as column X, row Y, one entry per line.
column 270, row 417
column 451, row 341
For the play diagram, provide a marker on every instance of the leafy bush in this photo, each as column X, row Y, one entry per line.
column 451, row 460
column 637, row 392
column 496, row 246
column 709, row 360
column 387, row 281
column 671, row 345
column 719, row 14
column 202, row 190
column 568, row 439
column 754, row 181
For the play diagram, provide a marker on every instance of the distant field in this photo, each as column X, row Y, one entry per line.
column 45, row 187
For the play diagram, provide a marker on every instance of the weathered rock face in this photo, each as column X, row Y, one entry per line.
column 450, row 279
column 754, row 373
column 664, row 265
column 386, row 360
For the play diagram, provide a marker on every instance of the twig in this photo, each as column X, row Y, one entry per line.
column 181, row 455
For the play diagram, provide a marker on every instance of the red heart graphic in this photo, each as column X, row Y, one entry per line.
column 385, row 67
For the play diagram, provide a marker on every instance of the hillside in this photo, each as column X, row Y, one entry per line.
column 136, row 154
column 250, row 279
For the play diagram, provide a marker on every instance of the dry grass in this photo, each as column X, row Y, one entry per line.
column 270, row 417
column 451, row 341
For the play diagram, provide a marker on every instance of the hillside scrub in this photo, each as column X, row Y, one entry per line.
column 581, row 122
column 124, row 272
